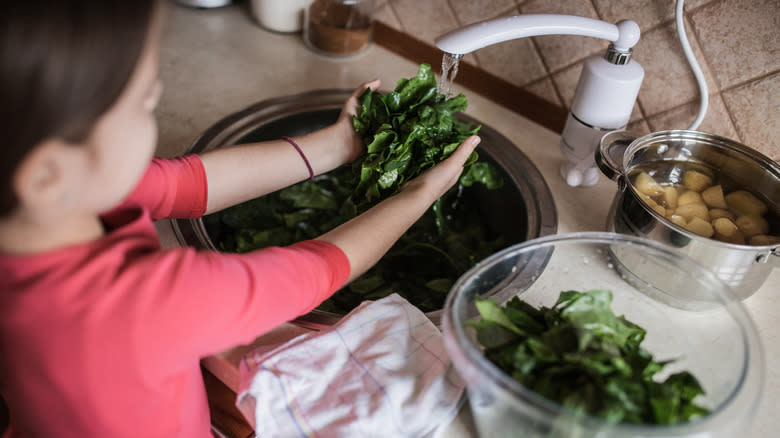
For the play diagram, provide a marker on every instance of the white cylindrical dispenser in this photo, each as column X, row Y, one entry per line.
column 603, row 101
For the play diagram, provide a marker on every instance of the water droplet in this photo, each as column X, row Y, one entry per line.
column 585, row 260
column 610, row 265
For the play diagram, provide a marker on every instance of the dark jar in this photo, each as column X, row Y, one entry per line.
column 338, row 27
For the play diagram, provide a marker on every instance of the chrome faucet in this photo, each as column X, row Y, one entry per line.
column 606, row 91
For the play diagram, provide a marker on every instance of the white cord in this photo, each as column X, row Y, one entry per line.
column 686, row 46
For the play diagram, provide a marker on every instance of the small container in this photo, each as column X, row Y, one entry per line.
column 284, row 16
column 339, row 27
column 720, row 346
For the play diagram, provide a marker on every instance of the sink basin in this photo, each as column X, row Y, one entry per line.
column 521, row 210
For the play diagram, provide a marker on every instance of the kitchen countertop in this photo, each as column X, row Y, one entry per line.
column 214, row 62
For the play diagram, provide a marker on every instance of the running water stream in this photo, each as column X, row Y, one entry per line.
column 449, row 69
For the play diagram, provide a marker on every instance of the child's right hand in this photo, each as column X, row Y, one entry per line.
column 367, row 237
column 438, row 179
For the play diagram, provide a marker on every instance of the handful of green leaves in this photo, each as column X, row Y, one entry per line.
column 407, row 131
column 579, row 354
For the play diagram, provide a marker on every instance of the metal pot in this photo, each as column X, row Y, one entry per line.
column 621, row 154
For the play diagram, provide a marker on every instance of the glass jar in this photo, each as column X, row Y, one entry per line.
column 338, row 27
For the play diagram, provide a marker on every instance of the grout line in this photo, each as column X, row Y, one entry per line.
column 546, row 67
column 389, row 5
column 751, row 80
column 596, row 10
column 693, row 33
column 733, row 120
column 454, row 14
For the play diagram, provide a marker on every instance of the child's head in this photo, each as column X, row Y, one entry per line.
column 72, row 74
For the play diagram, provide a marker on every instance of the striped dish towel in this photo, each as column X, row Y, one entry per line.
column 382, row 371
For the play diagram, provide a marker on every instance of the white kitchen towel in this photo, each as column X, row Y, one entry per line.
column 382, row 371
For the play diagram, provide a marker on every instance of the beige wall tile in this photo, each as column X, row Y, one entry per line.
column 668, row 80
column 566, row 82
column 740, row 37
column 640, row 127
column 636, row 114
column 647, row 13
column 471, row 11
column 386, row 15
column 560, row 51
column 425, row 19
column 516, row 61
column 716, row 120
column 755, row 107
column 545, row 90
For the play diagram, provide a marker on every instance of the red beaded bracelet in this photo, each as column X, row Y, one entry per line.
column 305, row 160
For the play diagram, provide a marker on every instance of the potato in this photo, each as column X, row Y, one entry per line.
column 645, row 183
column 752, row 225
column 670, row 197
column 696, row 181
column 713, row 196
column 689, row 197
column 764, row 239
column 716, row 213
column 745, row 203
column 700, row 227
column 724, row 226
column 689, row 211
column 737, row 238
column 659, row 209
column 678, row 220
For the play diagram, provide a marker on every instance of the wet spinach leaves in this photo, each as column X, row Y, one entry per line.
column 581, row 355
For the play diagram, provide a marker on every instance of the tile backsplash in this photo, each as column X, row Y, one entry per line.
column 737, row 44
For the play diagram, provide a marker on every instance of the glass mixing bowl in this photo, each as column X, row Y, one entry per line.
column 718, row 345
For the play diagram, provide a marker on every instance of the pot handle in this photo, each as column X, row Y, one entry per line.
column 772, row 257
column 609, row 154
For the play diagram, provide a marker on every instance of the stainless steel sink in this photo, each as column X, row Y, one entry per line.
column 521, row 210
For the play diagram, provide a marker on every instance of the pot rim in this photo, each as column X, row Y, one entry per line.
column 630, row 143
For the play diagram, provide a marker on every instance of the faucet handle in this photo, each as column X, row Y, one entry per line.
column 628, row 35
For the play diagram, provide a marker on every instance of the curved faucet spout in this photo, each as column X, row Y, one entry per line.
column 485, row 33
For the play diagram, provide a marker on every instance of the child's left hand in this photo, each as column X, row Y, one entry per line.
column 344, row 123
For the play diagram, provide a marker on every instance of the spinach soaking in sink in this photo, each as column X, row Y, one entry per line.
column 405, row 132
column 581, row 355
column 408, row 131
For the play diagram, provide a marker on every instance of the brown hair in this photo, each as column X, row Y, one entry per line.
column 63, row 64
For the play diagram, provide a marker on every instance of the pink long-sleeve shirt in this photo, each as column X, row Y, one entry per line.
column 103, row 339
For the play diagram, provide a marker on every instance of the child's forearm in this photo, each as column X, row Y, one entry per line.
column 242, row 172
column 366, row 238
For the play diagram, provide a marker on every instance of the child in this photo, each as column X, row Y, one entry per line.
column 101, row 330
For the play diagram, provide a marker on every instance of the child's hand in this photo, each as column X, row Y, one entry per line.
column 365, row 238
column 438, row 179
column 344, row 126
